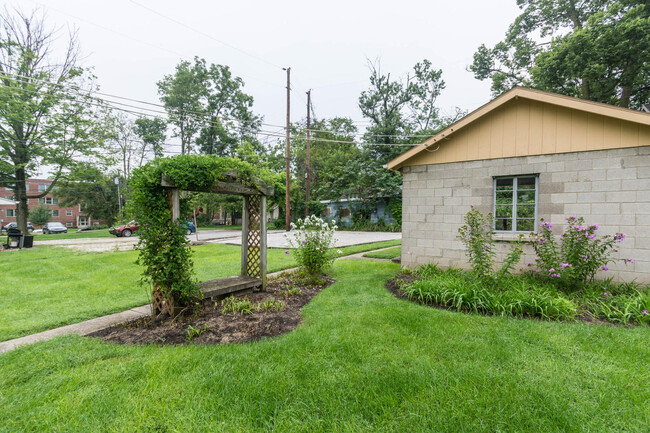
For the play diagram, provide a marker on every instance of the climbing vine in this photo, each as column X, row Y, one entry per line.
column 164, row 250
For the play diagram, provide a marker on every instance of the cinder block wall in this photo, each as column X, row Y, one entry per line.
column 610, row 188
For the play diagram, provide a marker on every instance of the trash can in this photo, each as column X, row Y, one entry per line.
column 28, row 241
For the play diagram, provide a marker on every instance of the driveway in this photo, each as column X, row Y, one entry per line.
column 276, row 239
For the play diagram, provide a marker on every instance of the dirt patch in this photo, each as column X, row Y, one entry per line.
column 286, row 293
column 397, row 282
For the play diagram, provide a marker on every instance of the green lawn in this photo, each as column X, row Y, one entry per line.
column 72, row 234
column 46, row 287
column 390, row 253
column 361, row 361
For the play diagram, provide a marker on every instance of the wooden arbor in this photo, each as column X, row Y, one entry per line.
column 253, row 251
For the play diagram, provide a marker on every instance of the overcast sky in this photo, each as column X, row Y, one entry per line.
column 131, row 45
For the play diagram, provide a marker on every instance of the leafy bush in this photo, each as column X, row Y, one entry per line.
column 477, row 236
column 580, row 255
column 312, row 240
column 40, row 215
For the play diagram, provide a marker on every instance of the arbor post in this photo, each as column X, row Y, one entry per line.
column 245, row 225
column 263, row 242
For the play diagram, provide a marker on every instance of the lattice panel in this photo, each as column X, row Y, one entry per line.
column 161, row 304
column 254, row 265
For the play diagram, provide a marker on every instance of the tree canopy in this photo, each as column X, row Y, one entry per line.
column 45, row 120
column 592, row 49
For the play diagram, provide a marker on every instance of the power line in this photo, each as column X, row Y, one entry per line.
column 206, row 35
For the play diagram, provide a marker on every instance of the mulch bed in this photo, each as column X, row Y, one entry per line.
column 394, row 284
column 216, row 327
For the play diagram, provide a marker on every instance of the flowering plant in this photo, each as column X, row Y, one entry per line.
column 313, row 239
column 476, row 234
column 580, row 254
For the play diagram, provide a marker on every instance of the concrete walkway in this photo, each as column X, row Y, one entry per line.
column 93, row 325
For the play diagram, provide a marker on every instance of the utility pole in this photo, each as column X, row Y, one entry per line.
column 288, row 152
column 119, row 196
column 308, row 173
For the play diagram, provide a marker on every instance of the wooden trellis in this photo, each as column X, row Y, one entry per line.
column 253, row 256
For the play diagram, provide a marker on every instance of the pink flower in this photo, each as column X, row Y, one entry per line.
column 410, row 253
column 630, row 260
column 529, row 264
column 550, row 271
column 644, row 312
column 566, row 265
column 605, row 268
column 607, row 295
column 287, row 251
column 537, row 271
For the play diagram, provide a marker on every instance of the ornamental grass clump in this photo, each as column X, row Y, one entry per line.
column 580, row 254
column 312, row 239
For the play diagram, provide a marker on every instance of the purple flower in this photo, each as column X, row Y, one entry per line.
column 287, row 251
column 607, row 295
column 550, row 271
column 529, row 264
column 566, row 265
column 537, row 271
column 644, row 312
column 591, row 236
column 619, row 237
column 605, row 268
column 630, row 260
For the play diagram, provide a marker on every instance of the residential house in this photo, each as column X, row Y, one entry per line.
column 559, row 156
column 341, row 210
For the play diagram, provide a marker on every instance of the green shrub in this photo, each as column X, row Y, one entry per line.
column 312, row 241
column 580, row 255
column 477, row 236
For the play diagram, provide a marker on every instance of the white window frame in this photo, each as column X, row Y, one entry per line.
column 514, row 203
column 55, row 213
column 68, row 224
column 42, row 187
column 68, row 212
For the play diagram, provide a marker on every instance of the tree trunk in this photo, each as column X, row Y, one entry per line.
column 586, row 91
column 625, row 97
column 22, row 209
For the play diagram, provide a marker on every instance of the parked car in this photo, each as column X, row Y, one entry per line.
column 30, row 227
column 54, row 228
column 190, row 227
column 125, row 230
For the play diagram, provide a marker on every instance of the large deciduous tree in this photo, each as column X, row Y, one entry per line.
column 208, row 107
column 45, row 121
column 593, row 49
column 152, row 133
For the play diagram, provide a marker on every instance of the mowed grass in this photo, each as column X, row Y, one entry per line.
column 390, row 253
column 361, row 361
column 72, row 234
column 46, row 287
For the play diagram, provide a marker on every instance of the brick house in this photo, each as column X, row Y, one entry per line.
column 545, row 156
column 68, row 216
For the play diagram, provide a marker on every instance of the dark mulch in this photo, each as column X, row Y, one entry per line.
column 394, row 284
column 221, row 328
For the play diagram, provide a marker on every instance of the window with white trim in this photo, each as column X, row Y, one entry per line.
column 68, row 224
column 55, row 213
column 515, row 203
column 68, row 212
column 42, row 187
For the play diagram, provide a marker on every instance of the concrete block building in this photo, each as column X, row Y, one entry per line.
column 528, row 155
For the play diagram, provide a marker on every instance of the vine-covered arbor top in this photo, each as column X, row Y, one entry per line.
column 158, row 206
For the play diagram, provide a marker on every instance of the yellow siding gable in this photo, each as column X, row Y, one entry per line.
column 523, row 127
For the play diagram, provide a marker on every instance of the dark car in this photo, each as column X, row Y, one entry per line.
column 54, row 228
column 30, row 227
column 125, row 230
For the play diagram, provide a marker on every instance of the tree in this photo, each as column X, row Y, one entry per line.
column 152, row 133
column 593, row 49
column 40, row 215
column 90, row 188
column 206, row 104
column 44, row 119
column 181, row 94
